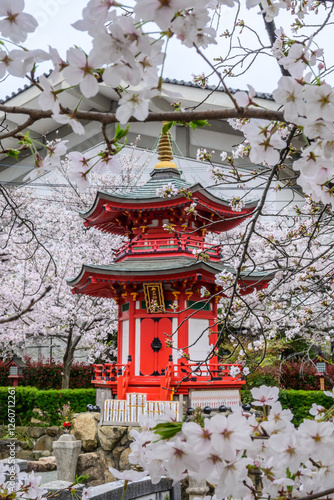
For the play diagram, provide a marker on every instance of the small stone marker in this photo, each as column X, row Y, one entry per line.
column 66, row 451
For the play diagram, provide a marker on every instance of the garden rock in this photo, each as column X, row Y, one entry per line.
column 92, row 464
column 52, row 431
column 50, row 460
column 4, row 445
column 36, row 432
column 26, row 445
column 124, row 459
column 85, row 429
column 24, row 454
column 44, row 443
column 110, row 436
column 108, row 461
column 37, row 454
column 38, row 466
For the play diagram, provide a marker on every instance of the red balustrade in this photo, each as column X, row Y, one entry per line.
column 121, row 379
column 166, row 245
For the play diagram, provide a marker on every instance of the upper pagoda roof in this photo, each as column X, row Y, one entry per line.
column 111, row 212
column 115, row 213
column 149, row 190
column 144, row 196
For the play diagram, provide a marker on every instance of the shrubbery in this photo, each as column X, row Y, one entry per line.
column 4, row 380
column 297, row 376
column 299, row 402
column 289, row 375
column 49, row 401
column 45, row 375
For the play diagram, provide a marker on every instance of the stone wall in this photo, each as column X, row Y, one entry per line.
column 32, row 442
column 102, row 447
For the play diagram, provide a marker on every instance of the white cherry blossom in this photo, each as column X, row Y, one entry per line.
column 69, row 120
column 244, row 99
column 161, row 11
column 80, row 71
column 290, row 94
column 134, row 103
column 317, row 438
column 48, row 98
column 264, row 395
column 15, row 24
column 200, row 437
column 230, row 434
column 330, row 394
column 317, row 411
column 320, row 102
column 265, row 142
column 128, row 475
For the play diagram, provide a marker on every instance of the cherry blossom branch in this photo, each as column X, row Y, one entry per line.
column 183, row 116
column 214, row 69
column 248, row 234
column 27, row 309
column 320, row 494
column 18, row 129
column 271, row 28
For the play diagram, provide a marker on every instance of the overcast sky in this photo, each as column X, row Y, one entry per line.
column 55, row 18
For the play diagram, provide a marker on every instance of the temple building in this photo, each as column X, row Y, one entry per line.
column 166, row 328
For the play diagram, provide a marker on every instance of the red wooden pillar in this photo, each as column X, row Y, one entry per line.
column 119, row 335
column 183, row 336
column 214, row 330
column 132, row 326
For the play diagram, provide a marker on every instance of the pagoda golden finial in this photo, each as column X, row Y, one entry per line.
column 165, row 152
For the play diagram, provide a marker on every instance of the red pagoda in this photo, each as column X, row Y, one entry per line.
column 156, row 279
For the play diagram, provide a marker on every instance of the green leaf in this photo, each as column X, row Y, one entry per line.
column 13, row 153
column 198, row 123
column 81, row 479
column 121, row 132
column 167, row 430
column 167, row 126
column 26, row 139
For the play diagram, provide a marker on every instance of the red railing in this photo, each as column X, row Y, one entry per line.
column 198, row 372
column 166, row 382
column 108, row 372
column 178, row 372
column 168, row 244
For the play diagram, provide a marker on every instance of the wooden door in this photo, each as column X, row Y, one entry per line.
column 154, row 353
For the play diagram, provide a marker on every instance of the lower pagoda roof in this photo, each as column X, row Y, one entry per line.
column 105, row 280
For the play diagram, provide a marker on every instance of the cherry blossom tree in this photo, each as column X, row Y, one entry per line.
column 127, row 53
column 289, row 139
column 294, row 250
column 81, row 323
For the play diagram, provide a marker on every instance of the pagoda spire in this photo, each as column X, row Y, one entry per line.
column 165, row 152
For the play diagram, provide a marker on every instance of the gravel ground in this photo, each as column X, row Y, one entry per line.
column 47, row 477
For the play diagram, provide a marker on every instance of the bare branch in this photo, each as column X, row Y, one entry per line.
column 27, row 309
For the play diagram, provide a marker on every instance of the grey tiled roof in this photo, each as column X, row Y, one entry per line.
column 20, row 91
column 165, row 266
column 260, row 95
column 149, row 190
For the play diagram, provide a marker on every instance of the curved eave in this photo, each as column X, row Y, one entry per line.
column 105, row 202
column 95, row 280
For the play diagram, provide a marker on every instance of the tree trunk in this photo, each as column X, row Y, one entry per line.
column 67, row 362
column 65, row 380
